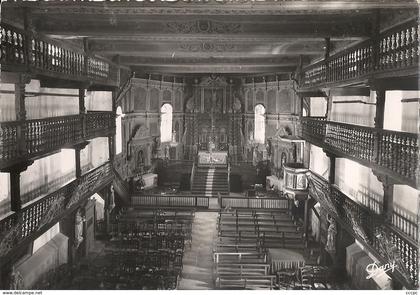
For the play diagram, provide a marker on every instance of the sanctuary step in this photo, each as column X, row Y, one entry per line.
column 210, row 181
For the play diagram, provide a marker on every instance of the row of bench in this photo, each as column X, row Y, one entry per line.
column 149, row 245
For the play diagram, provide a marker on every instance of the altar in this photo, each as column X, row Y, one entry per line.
column 212, row 158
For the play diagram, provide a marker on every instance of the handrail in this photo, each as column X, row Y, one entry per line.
column 40, row 136
column 33, row 52
column 228, row 176
column 37, row 215
column 394, row 151
column 394, row 49
column 155, row 200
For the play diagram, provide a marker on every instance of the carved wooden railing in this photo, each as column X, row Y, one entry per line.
column 255, row 203
column 395, row 49
column 366, row 226
column 396, row 152
column 31, row 138
column 191, row 201
column 34, row 53
column 40, row 214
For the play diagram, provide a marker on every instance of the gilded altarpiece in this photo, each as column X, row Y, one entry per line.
column 213, row 117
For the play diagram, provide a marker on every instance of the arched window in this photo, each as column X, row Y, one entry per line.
column 259, row 124
column 118, row 135
column 166, row 123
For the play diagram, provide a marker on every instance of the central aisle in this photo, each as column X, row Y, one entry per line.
column 197, row 272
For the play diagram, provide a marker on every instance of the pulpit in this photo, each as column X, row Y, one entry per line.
column 296, row 181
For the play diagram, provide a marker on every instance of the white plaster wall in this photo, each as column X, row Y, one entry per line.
column 401, row 113
column 359, row 183
column 318, row 106
column 318, row 161
column 345, row 109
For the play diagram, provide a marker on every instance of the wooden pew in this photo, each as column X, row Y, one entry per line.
column 242, row 269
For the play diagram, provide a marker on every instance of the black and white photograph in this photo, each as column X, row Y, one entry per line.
column 222, row 145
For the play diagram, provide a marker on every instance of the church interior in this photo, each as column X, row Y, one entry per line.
column 209, row 145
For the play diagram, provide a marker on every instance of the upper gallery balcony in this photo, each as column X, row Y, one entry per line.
column 27, row 52
column 392, row 152
column 36, row 216
column 395, row 53
column 383, row 238
column 31, row 139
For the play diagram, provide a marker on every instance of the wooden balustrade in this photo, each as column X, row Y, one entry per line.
column 406, row 222
column 9, row 140
column 190, row 201
column 365, row 225
column 32, row 52
column 97, row 122
column 399, row 47
column 255, row 203
column 392, row 150
column 395, row 49
column 47, row 134
column 42, row 136
column 41, row 213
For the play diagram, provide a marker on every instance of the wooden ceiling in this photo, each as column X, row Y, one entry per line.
column 213, row 36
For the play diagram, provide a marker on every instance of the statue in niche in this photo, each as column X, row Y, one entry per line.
column 16, row 280
column 174, row 136
column 332, row 232
column 111, row 198
column 190, row 104
column 236, row 102
column 216, row 103
column 167, row 151
column 140, row 159
column 78, row 228
column 156, row 147
column 268, row 147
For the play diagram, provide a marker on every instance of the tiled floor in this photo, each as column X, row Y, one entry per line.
column 197, row 273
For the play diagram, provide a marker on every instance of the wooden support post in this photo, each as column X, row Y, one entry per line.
column 15, row 171
column 379, row 120
column 82, row 111
column 107, row 209
column 328, row 111
column 78, row 166
column 306, row 221
column 77, row 149
column 388, row 203
column 20, row 115
column 380, row 109
column 331, row 175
